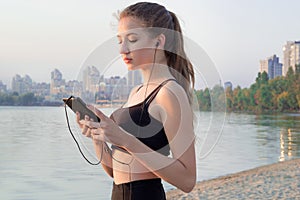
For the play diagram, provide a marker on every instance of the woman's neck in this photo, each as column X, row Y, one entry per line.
column 155, row 73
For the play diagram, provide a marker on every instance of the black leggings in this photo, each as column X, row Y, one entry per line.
column 150, row 189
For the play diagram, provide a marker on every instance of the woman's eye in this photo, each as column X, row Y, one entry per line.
column 133, row 40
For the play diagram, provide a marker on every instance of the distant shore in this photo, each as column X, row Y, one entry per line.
column 275, row 181
column 59, row 104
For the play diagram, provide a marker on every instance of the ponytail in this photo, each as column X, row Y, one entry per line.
column 177, row 60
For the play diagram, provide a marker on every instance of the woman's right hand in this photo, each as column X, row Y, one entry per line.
column 105, row 157
column 85, row 130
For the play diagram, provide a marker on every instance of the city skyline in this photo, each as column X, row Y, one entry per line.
column 40, row 36
column 264, row 65
column 54, row 69
column 94, row 87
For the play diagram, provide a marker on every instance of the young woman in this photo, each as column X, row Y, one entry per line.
column 152, row 135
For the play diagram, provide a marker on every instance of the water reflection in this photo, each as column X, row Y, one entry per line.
column 288, row 127
column 289, row 144
column 283, row 120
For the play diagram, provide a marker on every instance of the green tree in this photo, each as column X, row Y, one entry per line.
column 218, row 98
column 290, row 74
column 282, row 101
column 297, row 71
column 27, row 99
column 262, row 78
column 246, row 98
column 229, row 98
column 292, row 101
column 264, row 97
column 236, row 98
column 298, row 99
column 252, row 92
column 204, row 99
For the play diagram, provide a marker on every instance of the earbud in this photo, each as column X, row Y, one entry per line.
column 157, row 44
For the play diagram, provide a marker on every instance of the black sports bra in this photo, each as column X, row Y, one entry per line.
column 137, row 121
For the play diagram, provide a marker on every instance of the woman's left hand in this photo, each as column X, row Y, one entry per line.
column 107, row 130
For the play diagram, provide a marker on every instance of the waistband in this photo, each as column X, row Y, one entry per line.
column 141, row 182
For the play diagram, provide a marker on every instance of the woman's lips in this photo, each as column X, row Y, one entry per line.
column 127, row 60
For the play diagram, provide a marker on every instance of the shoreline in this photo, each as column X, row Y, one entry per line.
column 109, row 105
column 274, row 181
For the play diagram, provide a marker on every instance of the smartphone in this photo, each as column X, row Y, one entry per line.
column 78, row 105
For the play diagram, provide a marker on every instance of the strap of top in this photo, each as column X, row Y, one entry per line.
column 153, row 94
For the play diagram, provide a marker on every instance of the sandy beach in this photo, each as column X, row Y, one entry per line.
column 276, row 181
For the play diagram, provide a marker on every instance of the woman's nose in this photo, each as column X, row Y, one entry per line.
column 124, row 48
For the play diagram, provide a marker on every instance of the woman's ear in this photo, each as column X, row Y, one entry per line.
column 161, row 40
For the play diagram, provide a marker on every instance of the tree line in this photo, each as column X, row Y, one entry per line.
column 279, row 94
column 14, row 99
column 27, row 99
column 276, row 95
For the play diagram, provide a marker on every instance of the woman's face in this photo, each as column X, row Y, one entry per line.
column 136, row 47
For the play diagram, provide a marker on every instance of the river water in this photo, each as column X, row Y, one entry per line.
column 40, row 160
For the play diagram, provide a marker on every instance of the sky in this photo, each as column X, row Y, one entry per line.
column 37, row 36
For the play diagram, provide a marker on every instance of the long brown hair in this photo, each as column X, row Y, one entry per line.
column 155, row 15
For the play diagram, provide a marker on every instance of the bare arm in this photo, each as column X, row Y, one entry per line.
column 180, row 170
column 176, row 115
column 104, row 155
column 102, row 151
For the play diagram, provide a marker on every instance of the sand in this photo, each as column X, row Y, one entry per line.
column 276, row 181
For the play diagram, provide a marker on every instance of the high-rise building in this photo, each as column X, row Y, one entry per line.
column 57, row 83
column 291, row 55
column 59, row 87
column 116, row 88
column 272, row 66
column 134, row 78
column 3, row 87
column 228, row 84
column 41, row 89
column 91, row 79
column 21, row 85
column 264, row 66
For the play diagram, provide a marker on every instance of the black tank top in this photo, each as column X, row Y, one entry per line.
column 137, row 121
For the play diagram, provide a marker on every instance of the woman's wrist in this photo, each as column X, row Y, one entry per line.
column 97, row 142
column 128, row 141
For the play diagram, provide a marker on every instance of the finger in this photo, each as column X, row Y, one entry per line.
column 84, row 130
column 98, row 112
column 97, row 135
column 94, row 125
column 87, row 121
column 88, row 133
column 82, row 122
column 95, row 132
column 86, row 117
column 88, row 124
column 78, row 120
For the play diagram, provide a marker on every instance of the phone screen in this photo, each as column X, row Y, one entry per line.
column 78, row 105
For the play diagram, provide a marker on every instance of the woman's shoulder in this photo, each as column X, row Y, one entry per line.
column 173, row 86
column 172, row 90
